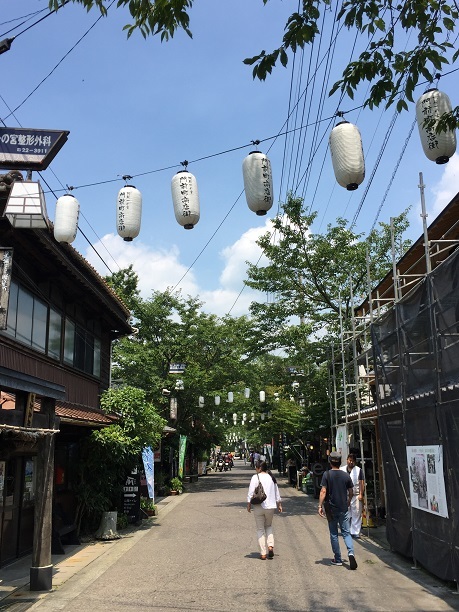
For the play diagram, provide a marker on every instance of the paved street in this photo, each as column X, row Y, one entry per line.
column 201, row 554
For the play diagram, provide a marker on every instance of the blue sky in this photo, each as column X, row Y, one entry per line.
column 139, row 106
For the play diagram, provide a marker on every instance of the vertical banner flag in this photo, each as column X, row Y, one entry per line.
column 182, row 455
column 149, row 467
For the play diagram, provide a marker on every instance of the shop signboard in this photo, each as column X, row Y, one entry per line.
column 29, row 148
column 131, row 497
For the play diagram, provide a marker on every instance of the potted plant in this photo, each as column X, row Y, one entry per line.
column 148, row 506
column 176, row 486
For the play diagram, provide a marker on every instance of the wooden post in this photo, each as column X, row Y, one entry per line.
column 41, row 572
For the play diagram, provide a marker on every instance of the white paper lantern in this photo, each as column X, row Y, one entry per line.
column 230, row 397
column 217, row 400
column 128, row 212
column 258, row 182
column 185, row 198
column 262, row 396
column 347, row 155
column 246, row 393
column 66, row 218
column 437, row 147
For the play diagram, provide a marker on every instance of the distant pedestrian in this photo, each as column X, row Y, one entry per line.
column 264, row 512
column 356, row 507
column 339, row 487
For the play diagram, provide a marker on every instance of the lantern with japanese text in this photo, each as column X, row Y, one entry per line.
column 66, row 218
column 185, row 198
column 258, row 182
column 347, row 155
column 128, row 212
column 438, row 147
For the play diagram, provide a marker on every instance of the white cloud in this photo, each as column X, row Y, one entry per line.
column 447, row 187
column 243, row 250
column 437, row 197
column 159, row 269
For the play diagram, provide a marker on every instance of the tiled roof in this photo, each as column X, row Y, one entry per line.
column 83, row 414
column 68, row 413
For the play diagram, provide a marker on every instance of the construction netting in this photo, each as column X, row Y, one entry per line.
column 416, row 356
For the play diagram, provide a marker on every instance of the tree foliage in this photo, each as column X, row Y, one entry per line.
column 109, row 454
column 316, row 278
column 409, row 42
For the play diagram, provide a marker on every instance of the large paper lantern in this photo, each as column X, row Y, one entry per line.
column 185, row 198
column 66, row 218
column 128, row 212
column 437, row 147
column 347, row 155
column 258, row 182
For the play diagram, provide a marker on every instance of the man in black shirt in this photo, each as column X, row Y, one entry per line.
column 339, row 487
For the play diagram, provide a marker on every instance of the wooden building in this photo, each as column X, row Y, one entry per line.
column 55, row 348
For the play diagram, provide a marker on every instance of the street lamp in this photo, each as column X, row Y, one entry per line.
column 5, row 45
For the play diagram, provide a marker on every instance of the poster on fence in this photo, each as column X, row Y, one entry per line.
column 427, row 483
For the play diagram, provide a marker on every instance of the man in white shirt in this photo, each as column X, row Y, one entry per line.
column 356, row 507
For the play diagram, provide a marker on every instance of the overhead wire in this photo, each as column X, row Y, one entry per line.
column 61, row 60
column 288, row 131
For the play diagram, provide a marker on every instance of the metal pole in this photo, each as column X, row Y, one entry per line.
column 424, row 224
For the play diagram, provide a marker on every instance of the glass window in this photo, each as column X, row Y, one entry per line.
column 80, row 348
column 96, row 367
column 12, row 309
column 24, row 316
column 54, row 334
column 69, row 342
column 40, row 321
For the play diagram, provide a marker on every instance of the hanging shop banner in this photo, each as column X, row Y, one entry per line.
column 149, row 467
column 427, row 482
column 342, row 443
column 6, row 264
column 182, row 448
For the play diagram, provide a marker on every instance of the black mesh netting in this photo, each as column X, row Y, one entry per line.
column 416, row 351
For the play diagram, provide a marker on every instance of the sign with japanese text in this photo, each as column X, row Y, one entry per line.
column 427, row 481
column 131, row 497
column 6, row 263
column 28, row 148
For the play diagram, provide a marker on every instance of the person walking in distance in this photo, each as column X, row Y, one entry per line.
column 264, row 512
column 355, row 509
column 336, row 491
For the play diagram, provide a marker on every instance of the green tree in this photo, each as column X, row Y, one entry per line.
column 408, row 41
column 216, row 351
column 109, row 454
column 314, row 276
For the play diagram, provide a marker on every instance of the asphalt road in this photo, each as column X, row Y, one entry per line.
column 202, row 554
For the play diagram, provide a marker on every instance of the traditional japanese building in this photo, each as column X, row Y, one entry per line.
column 58, row 319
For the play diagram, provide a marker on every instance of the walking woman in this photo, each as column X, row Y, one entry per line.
column 264, row 512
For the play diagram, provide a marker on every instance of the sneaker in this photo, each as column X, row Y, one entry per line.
column 270, row 552
column 352, row 562
column 336, row 561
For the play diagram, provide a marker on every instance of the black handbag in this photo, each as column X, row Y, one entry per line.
column 259, row 494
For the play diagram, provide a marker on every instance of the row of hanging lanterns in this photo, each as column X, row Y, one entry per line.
column 258, row 185
column 347, row 159
column 346, row 143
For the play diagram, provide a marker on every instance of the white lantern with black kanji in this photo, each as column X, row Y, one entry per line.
column 438, row 147
column 347, row 155
column 258, row 182
column 185, row 198
column 128, row 212
column 66, row 218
